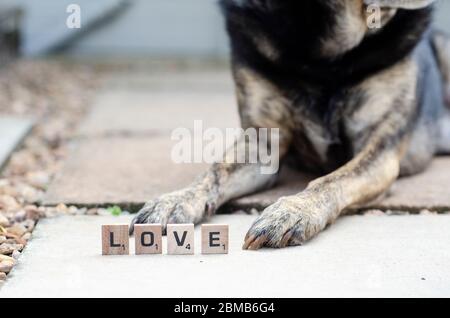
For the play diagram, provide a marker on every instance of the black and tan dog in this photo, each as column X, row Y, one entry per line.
column 361, row 105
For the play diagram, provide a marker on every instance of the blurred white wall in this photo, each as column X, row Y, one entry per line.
column 443, row 14
column 45, row 21
column 161, row 27
column 147, row 27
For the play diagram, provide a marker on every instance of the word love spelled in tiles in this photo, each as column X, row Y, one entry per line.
column 148, row 239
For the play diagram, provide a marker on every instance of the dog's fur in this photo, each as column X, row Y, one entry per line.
column 361, row 106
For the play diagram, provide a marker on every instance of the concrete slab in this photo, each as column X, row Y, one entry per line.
column 428, row 190
column 124, row 171
column 130, row 171
column 139, row 112
column 359, row 256
column 12, row 131
column 172, row 78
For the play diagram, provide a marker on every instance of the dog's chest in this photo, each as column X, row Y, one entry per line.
column 319, row 139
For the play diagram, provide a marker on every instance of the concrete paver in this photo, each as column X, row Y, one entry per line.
column 124, row 171
column 359, row 256
column 426, row 191
column 139, row 112
column 12, row 131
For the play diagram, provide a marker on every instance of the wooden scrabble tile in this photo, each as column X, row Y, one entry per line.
column 115, row 240
column 148, row 238
column 214, row 239
column 180, row 239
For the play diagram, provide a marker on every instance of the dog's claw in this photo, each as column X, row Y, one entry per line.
column 286, row 238
column 189, row 205
column 248, row 240
column 255, row 242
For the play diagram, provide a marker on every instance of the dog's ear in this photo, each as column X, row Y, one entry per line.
column 400, row 4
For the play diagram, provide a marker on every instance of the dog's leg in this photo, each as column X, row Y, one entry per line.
column 380, row 130
column 259, row 107
column 295, row 219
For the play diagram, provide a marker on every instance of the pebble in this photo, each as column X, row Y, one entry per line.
column 20, row 216
column 2, row 276
column 18, row 229
column 61, row 208
column 4, row 220
column 4, row 183
column 16, row 254
column 81, row 211
column 29, row 225
column 30, row 194
column 9, row 248
column 32, row 212
column 428, row 212
column 9, row 203
column 26, row 236
column 6, row 258
column 6, row 266
column 92, row 212
column 38, row 179
column 2, row 239
column 374, row 213
column 72, row 210
column 389, row 212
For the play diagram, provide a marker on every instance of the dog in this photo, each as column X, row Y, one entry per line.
column 362, row 106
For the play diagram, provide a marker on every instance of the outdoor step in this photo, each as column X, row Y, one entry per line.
column 358, row 256
column 12, row 132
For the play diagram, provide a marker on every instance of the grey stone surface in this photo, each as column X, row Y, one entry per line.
column 138, row 111
column 171, row 76
column 426, row 191
column 122, row 153
column 359, row 256
column 130, row 171
column 121, row 170
column 12, row 131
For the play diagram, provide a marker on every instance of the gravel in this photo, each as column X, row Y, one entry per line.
column 6, row 266
column 56, row 95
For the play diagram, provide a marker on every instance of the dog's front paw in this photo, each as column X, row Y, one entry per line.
column 189, row 205
column 288, row 222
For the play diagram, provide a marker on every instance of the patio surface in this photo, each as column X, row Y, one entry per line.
column 12, row 131
column 121, row 156
column 359, row 256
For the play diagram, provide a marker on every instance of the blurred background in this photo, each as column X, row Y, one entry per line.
column 123, row 28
